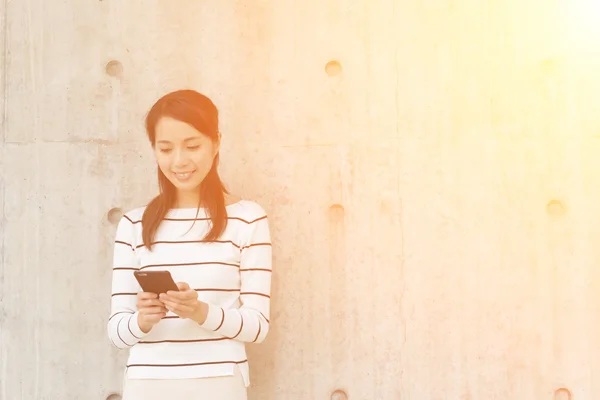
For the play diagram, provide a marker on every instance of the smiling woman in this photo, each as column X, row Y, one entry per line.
column 217, row 248
column 183, row 128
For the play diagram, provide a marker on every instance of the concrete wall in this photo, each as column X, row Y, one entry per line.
column 434, row 201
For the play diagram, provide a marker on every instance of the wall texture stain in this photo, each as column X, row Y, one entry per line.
column 430, row 170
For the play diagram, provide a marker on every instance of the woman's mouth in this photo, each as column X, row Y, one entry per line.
column 183, row 176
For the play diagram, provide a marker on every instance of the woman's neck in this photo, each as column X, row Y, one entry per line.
column 193, row 201
column 187, row 200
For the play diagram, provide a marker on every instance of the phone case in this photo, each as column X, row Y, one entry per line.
column 155, row 281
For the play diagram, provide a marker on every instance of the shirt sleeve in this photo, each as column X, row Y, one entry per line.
column 250, row 322
column 123, row 328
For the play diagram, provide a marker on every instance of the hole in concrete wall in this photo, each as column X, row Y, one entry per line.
column 114, row 68
column 556, row 208
column 333, row 68
column 114, row 396
column 336, row 208
column 336, row 213
column 339, row 395
column 114, row 215
column 562, row 394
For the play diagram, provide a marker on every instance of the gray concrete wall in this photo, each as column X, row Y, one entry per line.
column 434, row 201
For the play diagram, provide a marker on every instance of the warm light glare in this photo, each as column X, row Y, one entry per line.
column 584, row 24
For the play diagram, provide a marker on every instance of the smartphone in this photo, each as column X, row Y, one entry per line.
column 155, row 281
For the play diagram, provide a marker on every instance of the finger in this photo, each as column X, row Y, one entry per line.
column 171, row 294
column 147, row 295
column 174, row 303
column 177, row 297
column 171, row 305
column 149, row 303
column 152, row 302
column 183, row 286
column 183, row 295
column 177, row 307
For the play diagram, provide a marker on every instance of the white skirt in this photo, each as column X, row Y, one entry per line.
column 214, row 388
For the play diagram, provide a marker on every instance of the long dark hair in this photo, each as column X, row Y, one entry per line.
column 200, row 112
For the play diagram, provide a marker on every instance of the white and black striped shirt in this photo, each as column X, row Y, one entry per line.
column 232, row 275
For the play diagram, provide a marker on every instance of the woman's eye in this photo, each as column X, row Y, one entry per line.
column 193, row 147
column 165, row 150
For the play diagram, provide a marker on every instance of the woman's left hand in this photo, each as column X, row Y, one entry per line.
column 184, row 303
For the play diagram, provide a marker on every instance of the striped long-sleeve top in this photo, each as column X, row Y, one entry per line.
column 232, row 275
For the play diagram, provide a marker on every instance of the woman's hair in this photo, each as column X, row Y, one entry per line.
column 198, row 111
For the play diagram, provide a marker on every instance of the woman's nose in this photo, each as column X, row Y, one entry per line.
column 180, row 159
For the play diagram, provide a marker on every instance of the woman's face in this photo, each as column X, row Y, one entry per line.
column 184, row 155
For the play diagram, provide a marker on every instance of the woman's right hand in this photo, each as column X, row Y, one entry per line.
column 151, row 310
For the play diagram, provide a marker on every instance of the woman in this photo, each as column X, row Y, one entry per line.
column 190, row 344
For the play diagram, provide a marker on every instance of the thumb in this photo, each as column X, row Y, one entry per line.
column 183, row 286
